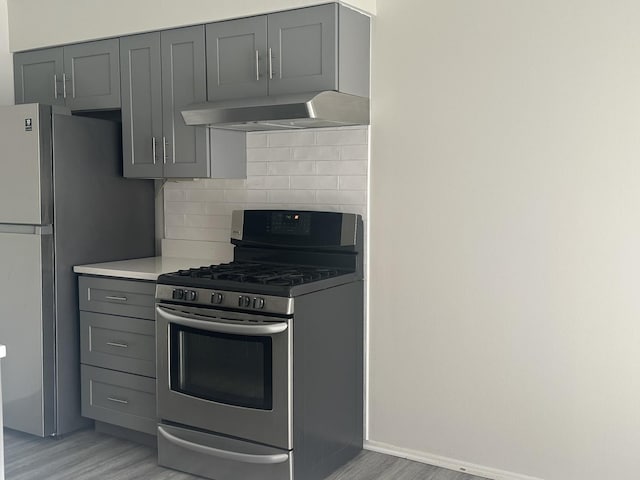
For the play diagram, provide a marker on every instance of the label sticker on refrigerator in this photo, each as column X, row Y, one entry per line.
column 27, row 125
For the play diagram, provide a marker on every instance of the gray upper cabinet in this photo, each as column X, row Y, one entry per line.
column 83, row 76
column 37, row 76
column 236, row 58
column 184, row 82
column 303, row 48
column 325, row 47
column 162, row 72
column 140, row 68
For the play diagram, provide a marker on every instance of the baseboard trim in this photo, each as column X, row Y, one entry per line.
column 445, row 462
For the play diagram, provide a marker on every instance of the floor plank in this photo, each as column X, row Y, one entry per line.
column 88, row 455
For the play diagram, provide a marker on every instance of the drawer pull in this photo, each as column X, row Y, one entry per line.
column 119, row 345
column 118, row 299
column 118, row 400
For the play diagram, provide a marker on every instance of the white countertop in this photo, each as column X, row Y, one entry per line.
column 146, row 268
column 3, row 351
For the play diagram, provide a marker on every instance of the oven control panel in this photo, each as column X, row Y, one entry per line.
column 220, row 298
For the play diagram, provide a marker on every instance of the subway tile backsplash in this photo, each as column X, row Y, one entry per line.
column 320, row 169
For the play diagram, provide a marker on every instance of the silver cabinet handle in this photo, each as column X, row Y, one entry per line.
column 55, row 86
column 219, row 327
column 119, row 345
column 257, row 66
column 226, row 454
column 118, row 400
column 117, row 299
column 64, row 85
column 153, row 149
column 270, row 63
column 164, row 150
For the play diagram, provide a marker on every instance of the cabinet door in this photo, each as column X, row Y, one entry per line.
column 141, row 105
column 38, row 76
column 236, row 58
column 303, row 47
column 183, row 82
column 92, row 75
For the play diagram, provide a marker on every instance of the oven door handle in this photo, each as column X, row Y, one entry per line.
column 213, row 326
column 226, row 454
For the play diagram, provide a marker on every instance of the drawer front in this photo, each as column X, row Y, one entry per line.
column 119, row 343
column 119, row 398
column 117, row 297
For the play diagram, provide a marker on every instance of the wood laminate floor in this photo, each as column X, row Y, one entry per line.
column 88, row 455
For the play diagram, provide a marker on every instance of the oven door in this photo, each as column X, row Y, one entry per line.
column 225, row 372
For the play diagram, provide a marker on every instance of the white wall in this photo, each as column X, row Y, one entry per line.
column 505, row 235
column 38, row 23
column 6, row 60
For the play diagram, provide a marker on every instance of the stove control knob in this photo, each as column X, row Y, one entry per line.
column 244, row 301
column 178, row 294
column 190, row 295
column 216, row 298
column 258, row 303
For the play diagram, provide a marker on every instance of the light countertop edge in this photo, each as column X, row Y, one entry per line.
column 149, row 268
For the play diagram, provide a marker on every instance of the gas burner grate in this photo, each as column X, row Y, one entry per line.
column 265, row 274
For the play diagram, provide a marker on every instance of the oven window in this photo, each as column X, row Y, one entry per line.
column 230, row 369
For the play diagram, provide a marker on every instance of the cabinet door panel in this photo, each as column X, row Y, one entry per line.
column 38, row 76
column 304, row 48
column 236, row 58
column 183, row 83
column 93, row 75
column 141, row 105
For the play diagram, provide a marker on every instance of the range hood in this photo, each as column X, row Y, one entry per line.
column 278, row 112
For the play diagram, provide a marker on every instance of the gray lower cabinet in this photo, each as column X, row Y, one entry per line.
column 117, row 352
column 82, row 76
column 162, row 72
column 324, row 47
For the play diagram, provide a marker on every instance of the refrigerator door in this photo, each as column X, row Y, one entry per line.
column 25, row 163
column 26, row 328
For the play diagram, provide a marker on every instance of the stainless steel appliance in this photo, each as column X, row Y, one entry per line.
column 259, row 361
column 62, row 202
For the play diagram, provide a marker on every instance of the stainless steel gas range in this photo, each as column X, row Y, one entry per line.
column 260, row 361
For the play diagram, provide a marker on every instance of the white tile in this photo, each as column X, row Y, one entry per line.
column 208, row 221
column 205, row 195
column 268, row 182
column 292, row 196
column 214, row 183
column 347, row 136
column 279, row 154
column 314, row 182
column 354, row 152
column 349, row 167
column 174, row 220
column 174, row 195
column 256, row 168
column 234, row 184
column 255, row 140
column 342, row 197
column 184, row 207
column 222, row 251
column 184, row 184
column 291, row 168
column 320, row 152
column 192, row 233
column 353, row 182
column 245, row 196
column 291, row 138
column 223, row 208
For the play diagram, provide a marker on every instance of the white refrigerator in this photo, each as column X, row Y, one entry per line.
column 63, row 202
